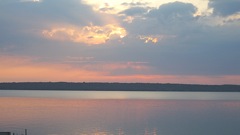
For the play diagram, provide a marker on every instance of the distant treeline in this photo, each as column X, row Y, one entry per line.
column 117, row 86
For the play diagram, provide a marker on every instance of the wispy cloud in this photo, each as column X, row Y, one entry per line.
column 30, row 0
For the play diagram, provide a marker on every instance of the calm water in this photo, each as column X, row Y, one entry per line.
column 120, row 113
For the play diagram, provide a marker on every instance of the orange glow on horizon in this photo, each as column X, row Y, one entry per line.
column 21, row 69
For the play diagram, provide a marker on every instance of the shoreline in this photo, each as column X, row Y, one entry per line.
column 100, row 86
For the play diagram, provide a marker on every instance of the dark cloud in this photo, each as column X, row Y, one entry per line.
column 170, row 18
column 106, row 9
column 22, row 22
column 51, row 11
column 225, row 7
column 174, row 11
column 213, row 51
column 134, row 11
column 195, row 49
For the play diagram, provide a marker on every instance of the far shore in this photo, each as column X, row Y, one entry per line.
column 100, row 86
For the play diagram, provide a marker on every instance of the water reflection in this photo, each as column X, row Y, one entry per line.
column 61, row 116
column 122, row 95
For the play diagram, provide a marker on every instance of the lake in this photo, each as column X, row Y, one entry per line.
column 119, row 113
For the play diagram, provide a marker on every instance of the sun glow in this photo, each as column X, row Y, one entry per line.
column 91, row 35
column 116, row 6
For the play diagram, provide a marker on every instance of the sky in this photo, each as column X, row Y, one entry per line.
column 156, row 41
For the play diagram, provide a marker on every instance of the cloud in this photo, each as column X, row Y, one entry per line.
column 167, row 14
column 41, row 15
column 133, row 4
column 73, row 12
column 33, row 19
column 107, row 10
column 225, row 7
column 165, row 22
column 90, row 35
column 154, row 38
column 185, row 44
column 24, row 21
column 30, row 0
column 64, row 12
column 174, row 11
column 134, row 11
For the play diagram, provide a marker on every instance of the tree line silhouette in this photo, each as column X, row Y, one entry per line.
column 98, row 86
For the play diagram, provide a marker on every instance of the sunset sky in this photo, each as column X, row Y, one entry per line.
column 159, row 41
